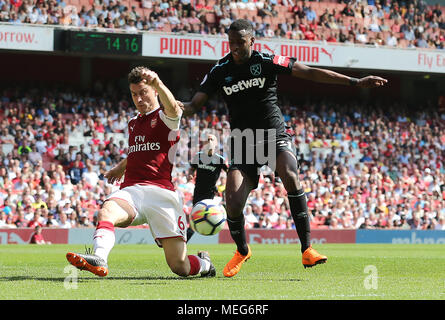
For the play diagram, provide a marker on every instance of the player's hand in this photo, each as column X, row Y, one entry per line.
column 151, row 78
column 114, row 175
column 187, row 109
column 180, row 104
column 371, row 82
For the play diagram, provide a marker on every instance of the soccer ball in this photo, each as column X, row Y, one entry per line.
column 207, row 217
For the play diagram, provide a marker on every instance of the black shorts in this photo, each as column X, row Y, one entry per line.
column 199, row 196
column 252, row 169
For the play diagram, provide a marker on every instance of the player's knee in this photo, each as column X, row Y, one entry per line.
column 290, row 180
column 234, row 205
column 104, row 214
column 116, row 214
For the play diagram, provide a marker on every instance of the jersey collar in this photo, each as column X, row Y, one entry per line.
column 252, row 56
column 139, row 115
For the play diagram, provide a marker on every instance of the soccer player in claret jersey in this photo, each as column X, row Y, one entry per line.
column 208, row 165
column 247, row 80
column 147, row 194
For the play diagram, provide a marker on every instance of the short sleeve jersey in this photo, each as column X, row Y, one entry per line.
column 150, row 146
column 250, row 89
column 208, row 170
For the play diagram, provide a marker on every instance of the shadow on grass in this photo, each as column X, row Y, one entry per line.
column 92, row 278
column 144, row 278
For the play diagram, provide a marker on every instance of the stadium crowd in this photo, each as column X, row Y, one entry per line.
column 361, row 166
column 373, row 22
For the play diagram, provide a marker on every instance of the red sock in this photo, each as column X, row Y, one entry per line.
column 105, row 225
column 195, row 265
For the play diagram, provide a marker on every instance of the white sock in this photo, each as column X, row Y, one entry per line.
column 103, row 242
column 204, row 265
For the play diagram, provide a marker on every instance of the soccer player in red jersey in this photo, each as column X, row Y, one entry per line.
column 147, row 194
column 247, row 81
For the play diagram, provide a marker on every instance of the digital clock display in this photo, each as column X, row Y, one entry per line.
column 105, row 43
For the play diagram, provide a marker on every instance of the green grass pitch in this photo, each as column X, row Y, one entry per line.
column 275, row 272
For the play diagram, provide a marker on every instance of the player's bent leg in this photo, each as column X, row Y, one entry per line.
column 115, row 212
column 184, row 265
column 238, row 187
column 175, row 252
column 287, row 169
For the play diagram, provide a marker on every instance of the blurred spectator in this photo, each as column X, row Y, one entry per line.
column 440, row 223
column 51, row 222
column 63, row 221
column 20, row 221
column 310, row 14
column 76, row 171
column 391, row 40
column 37, row 219
column 37, row 236
column 187, row 17
column 421, row 42
column 84, row 221
column 3, row 218
column 250, row 218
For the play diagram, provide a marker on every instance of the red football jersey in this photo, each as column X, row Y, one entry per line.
column 149, row 144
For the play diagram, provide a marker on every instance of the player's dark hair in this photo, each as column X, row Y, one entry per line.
column 242, row 24
column 135, row 75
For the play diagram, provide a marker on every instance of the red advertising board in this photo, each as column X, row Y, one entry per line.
column 266, row 236
column 22, row 236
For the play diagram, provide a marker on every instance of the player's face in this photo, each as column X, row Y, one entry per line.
column 144, row 97
column 240, row 43
column 211, row 143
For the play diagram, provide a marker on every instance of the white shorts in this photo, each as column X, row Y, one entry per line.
column 160, row 208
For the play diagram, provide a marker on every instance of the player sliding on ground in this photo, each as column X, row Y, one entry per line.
column 147, row 194
column 247, row 80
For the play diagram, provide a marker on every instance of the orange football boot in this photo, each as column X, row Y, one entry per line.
column 234, row 265
column 89, row 262
column 311, row 258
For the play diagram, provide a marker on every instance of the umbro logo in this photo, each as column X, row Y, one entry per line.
column 284, row 144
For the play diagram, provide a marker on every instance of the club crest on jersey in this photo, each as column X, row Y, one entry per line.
column 255, row 69
column 153, row 122
column 281, row 60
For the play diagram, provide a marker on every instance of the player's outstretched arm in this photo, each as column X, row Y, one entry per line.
column 327, row 76
column 171, row 107
column 195, row 105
